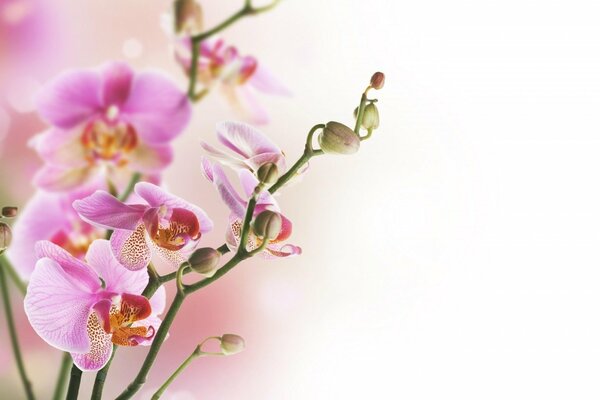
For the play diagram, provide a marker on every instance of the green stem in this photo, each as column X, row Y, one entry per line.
column 13, row 275
column 13, row 335
column 196, row 353
column 101, row 377
column 361, row 113
column 63, row 373
column 194, row 70
column 135, row 178
column 74, row 383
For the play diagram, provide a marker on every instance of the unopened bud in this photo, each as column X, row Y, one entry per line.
column 9, row 212
column 232, row 344
column 377, row 80
column 188, row 17
column 337, row 138
column 205, row 260
column 5, row 236
column 267, row 224
column 370, row 117
column 268, row 173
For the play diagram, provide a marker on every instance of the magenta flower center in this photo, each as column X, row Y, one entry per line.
column 77, row 241
column 106, row 141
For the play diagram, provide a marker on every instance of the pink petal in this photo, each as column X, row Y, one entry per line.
column 70, row 99
column 117, row 278
column 157, row 197
column 157, row 108
column 104, row 210
column 158, row 301
column 130, row 248
column 244, row 139
column 57, row 308
column 281, row 250
column 57, row 179
column 222, row 157
column 117, row 78
column 227, row 192
column 62, row 148
column 40, row 219
column 151, row 159
column 246, row 104
column 276, row 158
column 264, row 81
column 100, row 348
column 82, row 276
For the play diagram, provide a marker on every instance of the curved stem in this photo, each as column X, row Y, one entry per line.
column 63, row 373
column 135, row 178
column 101, row 377
column 74, row 383
column 12, row 274
column 196, row 353
column 13, row 335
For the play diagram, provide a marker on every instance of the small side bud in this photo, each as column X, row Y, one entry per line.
column 188, row 17
column 267, row 224
column 232, row 344
column 205, row 260
column 337, row 138
column 370, row 117
column 5, row 236
column 377, row 80
column 268, row 173
column 9, row 212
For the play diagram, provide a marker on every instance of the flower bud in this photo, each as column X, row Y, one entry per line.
column 268, row 173
column 205, row 260
column 337, row 138
column 188, row 17
column 267, row 224
column 232, row 344
column 9, row 212
column 377, row 80
column 5, row 236
column 370, row 117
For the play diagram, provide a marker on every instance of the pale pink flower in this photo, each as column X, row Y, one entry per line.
column 237, row 205
column 166, row 225
column 85, row 308
column 238, row 76
column 108, row 120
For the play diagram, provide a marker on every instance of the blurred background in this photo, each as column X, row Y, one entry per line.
column 455, row 256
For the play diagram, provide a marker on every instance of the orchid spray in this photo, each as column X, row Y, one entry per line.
column 83, row 247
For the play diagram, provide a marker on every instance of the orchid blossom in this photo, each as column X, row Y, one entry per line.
column 237, row 205
column 108, row 120
column 166, row 225
column 85, row 308
column 238, row 76
column 251, row 147
column 50, row 216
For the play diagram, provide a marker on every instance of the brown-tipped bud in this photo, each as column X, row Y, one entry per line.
column 267, row 224
column 205, row 260
column 337, row 138
column 5, row 236
column 268, row 173
column 232, row 344
column 370, row 117
column 377, row 80
column 188, row 17
column 9, row 212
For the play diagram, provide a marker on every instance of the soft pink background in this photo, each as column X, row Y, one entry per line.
column 455, row 256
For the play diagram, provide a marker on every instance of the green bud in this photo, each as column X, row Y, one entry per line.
column 268, row 173
column 377, row 80
column 337, row 138
column 9, row 212
column 370, row 117
column 5, row 236
column 232, row 344
column 205, row 260
column 267, row 224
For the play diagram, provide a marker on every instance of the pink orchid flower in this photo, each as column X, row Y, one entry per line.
column 85, row 308
column 237, row 206
column 251, row 147
column 238, row 77
column 51, row 216
column 107, row 120
column 165, row 225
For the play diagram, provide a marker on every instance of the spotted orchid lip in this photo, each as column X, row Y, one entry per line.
column 174, row 232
